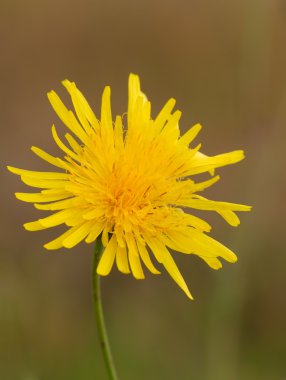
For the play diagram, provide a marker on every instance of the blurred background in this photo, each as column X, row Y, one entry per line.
column 224, row 62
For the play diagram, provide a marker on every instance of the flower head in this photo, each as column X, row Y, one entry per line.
column 129, row 186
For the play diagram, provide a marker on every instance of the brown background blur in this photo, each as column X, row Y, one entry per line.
column 224, row 62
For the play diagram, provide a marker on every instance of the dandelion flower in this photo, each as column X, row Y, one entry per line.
column 129, row 186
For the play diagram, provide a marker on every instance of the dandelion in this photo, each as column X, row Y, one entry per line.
column 130, row 186
column 130, row 190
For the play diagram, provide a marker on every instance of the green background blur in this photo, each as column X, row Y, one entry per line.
column 224, row 62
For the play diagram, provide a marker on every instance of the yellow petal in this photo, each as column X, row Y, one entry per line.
column 133, row 93
column 66, row 116
column 200, row 186
column 144, row 254
column 133, row 256
column 104, row 236
column 63, row 204
column 118, row 134
column 107, row 258
column 75, row 218
column 190, row 135
column 83, row 110
column 171, row 129
column 40, row 197
column 44, row 183
column 62, row 146
column 196, row 222
column 71, row 88
column 106, row 118
column 94, row 213
column 206, row 204
column 95, row 231
column 77, row 236
column 164, row 115
column 122, row 260
column 57, row 218
column 73, row 143
column 34, row 226
column 163, row 255
column 37, row 175
column 201, row 164
column 58, row 242
column 213, row 262
column 201, row 244
column 47, row 157
column 230, row 217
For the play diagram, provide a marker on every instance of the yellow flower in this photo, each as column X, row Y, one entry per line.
column 129, row 186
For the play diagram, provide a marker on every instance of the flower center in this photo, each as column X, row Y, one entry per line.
column 127, row 196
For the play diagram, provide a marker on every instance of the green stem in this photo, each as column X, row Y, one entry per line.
column 104, row 344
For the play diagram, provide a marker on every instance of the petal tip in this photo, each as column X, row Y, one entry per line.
column 30, row 226
column 190, row 296
column 11, row 169
column 233, row 259
column 100, row 272
column 67, row 83
column 51, row 94
column 68, row 245
column 49, row 247
column 133, row 76
column 139, row 276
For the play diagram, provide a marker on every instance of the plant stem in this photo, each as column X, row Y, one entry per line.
column 104, row 344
